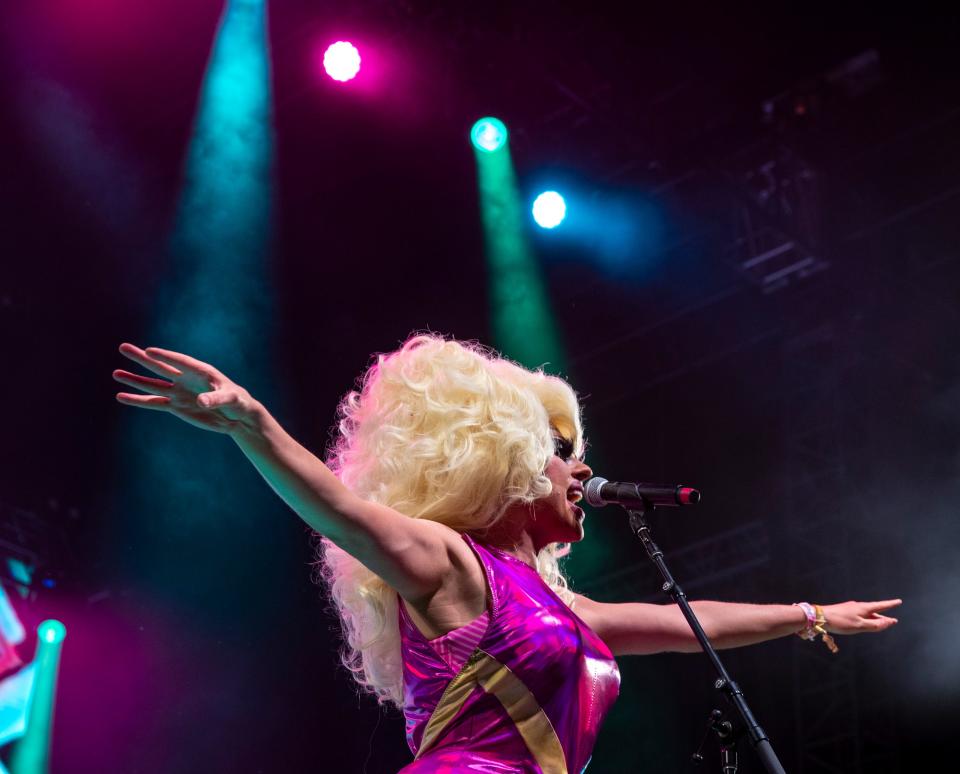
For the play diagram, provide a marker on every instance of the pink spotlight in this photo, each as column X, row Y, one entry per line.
column 341, row 61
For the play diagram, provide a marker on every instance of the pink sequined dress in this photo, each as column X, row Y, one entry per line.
column 524, row 688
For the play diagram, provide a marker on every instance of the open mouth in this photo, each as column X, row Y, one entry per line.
column 574, row 496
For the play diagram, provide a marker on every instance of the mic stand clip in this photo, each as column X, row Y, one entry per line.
column 724, row 731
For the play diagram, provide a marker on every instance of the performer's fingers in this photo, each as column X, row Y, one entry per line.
column 880, row 622
column 155, row 402
column 145, row 383
column 181, row 361
column 886, row 604
column 140, row 357
column 217, row 398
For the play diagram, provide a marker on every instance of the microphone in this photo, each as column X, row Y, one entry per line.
column 599, row 492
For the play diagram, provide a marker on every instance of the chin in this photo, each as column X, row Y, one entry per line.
column 574, row 535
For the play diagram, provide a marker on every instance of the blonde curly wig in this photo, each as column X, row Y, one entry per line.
column 447, row 431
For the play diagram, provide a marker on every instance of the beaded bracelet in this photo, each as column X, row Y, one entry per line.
column 816, row 625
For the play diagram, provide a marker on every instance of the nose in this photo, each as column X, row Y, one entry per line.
column 581, row 471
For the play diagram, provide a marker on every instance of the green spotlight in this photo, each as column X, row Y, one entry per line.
column 489, row 134
column 215, row 303
column 52, row 631
column 223, row 225
column 31, row 753
column 523, row 325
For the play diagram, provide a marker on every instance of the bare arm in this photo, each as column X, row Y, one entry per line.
column 633, row 628
column 415, row 557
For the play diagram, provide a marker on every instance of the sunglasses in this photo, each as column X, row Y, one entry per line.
column 564, row 449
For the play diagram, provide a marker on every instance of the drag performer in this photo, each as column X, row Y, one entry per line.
column 451, row 485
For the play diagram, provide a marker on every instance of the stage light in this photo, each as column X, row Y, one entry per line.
column 549, row 209
column 31, row 755
column 215, row 298
column 488, row 134
column 523, row 325
column 341, row 61
column 51, row 631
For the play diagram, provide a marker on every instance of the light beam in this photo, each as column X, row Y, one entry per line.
column 523, row 325
column 31, row 753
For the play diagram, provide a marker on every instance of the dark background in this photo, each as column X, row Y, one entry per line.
column 819, row 415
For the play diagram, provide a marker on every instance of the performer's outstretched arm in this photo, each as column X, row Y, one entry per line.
column 631, row 628
column 414, row 556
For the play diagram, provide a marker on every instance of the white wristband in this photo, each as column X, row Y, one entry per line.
column 807, row 632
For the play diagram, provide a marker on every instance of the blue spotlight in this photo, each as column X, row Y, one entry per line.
column 549, row 209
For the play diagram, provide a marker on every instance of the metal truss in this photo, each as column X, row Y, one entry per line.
column 38, row 542
column 697, row 565
column 827, row 711
column 777, row 217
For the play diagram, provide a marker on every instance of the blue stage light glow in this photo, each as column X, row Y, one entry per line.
column 549, row 209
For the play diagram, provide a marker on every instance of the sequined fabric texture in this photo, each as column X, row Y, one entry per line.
column 530, row 697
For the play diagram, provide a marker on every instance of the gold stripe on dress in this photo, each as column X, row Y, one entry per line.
column 458, row 690
column 495, row 678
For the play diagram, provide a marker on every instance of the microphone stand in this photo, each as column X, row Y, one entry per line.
column 724, row 683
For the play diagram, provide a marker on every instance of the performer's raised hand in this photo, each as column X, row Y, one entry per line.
column 415, row 557
column 188, row 388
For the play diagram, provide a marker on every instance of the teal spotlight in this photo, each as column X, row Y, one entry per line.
column 488, row 134
column 549, row 209
column 51, row 631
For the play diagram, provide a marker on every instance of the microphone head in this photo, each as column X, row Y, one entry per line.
column 591, row 491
